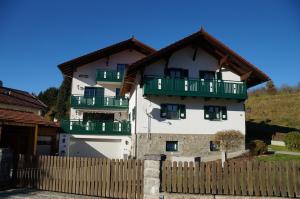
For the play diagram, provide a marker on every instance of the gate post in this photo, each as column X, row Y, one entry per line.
column 152, row 169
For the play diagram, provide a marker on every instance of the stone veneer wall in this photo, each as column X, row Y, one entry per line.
column 189, row 145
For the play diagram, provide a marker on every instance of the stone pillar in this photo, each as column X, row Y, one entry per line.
column 152, row 169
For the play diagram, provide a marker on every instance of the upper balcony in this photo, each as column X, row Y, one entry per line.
column 159, row 85
column 109, row 76
column 99, row 102
column 108, row 128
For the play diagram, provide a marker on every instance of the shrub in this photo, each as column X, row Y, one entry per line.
column 292, row 140
column 258, row 147
column 229, row 140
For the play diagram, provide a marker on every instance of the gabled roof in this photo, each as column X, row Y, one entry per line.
column 68, row 67
column 22, row 117
column 227, row 58
column 20, row 98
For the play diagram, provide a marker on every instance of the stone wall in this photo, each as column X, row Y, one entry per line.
column 189, row 145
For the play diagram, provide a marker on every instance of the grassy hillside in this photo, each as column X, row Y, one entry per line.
column 282, row 109
column 272, row 115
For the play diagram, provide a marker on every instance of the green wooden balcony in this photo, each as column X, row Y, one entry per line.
column 155, row 85
column 109, row 76
column 99, row 102
column 80, row 127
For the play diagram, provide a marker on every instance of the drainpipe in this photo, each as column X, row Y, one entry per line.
column 135, row 125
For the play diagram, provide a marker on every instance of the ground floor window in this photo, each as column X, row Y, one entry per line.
column 173, row 111
column 172, row 146
column 215, row 112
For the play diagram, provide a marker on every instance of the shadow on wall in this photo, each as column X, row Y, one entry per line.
column 264, row 131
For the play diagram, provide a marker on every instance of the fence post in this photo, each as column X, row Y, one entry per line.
column 152, row 166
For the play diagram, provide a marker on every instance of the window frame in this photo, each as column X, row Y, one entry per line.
column 174, row 148
column 180, row 111
column 213, row 115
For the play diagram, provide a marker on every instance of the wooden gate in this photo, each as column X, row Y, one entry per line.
column 86, row 176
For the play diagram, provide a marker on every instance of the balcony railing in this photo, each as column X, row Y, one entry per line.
column 109, row 76
column 95, row 127
column 99, row 102
column 154, row 85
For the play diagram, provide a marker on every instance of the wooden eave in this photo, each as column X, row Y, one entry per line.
column 67, row 68
column 217, row 49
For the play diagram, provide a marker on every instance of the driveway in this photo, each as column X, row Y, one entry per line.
column 37, row 194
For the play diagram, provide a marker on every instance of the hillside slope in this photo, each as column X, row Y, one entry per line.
column 272, row 115
column 282, row 109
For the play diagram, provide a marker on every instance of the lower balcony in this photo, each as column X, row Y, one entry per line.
column 155, row 85
column 99, row 102
column 80, row 127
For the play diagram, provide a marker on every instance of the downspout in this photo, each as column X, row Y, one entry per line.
column 135, row 125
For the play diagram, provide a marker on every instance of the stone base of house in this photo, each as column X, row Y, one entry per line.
column 189, row 145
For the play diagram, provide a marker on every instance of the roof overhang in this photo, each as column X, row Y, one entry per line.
column 68, row 67
column 227, row 58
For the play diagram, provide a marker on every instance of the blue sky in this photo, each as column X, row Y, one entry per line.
column 36, row 36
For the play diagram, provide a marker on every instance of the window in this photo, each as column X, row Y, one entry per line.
column 176, row 73
column 117, row 92
column 93, row 91
column 210, row 75
column 214, row 145
column 173, row 111
column 121, row 67
column 215, row 112
column 172, row 146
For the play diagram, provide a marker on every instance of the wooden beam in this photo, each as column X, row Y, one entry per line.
column 246, row 75
column 195, row 53
column 223, row 60
column 35, row 137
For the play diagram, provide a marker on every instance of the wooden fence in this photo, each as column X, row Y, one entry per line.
column 251, row 178
column 86, row 176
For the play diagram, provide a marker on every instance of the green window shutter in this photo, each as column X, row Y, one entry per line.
column 163, row 110
column 224, row 112
column 206, row 113
column 219, row 75
column 182, row 111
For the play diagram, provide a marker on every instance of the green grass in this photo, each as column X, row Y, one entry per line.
column 281, row 109
column 278, row 157
column 278, row 148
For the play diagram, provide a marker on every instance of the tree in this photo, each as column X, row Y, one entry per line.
column 49, row 96
column 63, row 102
column 270, row 88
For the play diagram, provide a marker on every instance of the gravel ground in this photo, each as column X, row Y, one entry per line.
column 37, row 194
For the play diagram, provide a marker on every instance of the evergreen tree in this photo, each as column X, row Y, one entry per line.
column 49, row 96
column 63, row 98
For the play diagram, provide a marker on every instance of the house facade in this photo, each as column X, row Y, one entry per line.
column 23, row 128
column 177, row 98
column 98, row 124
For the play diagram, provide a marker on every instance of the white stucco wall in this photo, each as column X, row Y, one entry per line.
column 184, row 59
column 148, row 114
column 90, row 69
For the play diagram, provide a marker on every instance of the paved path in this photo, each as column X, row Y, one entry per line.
column 37, row 194
column 287, row 152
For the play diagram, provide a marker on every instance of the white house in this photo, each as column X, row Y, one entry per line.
column 178, row 98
